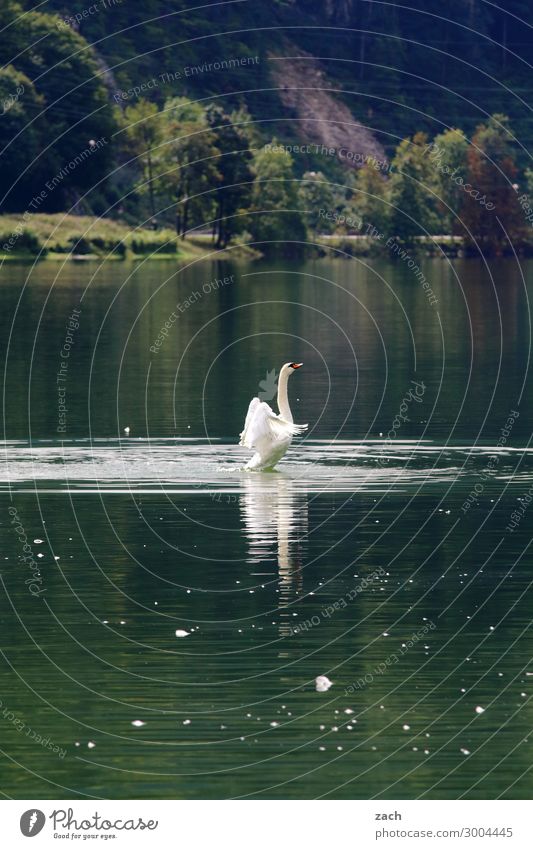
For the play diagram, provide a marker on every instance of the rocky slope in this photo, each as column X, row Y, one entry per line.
column 320, row 116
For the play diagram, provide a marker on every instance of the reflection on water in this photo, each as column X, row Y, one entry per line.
column 275, row 518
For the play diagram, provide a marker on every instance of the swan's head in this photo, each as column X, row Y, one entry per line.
column 288, row 368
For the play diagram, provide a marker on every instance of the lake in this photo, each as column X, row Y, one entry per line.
column 389, row 552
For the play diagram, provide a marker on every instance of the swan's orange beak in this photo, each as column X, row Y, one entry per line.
column 297, row 365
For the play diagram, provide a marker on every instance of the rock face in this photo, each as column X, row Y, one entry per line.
column 321, row 117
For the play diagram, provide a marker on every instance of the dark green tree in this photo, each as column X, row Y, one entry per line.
column 76, row 111
column 318, row 198
column 448, row 153
column 277, row 220
column 234, row 191
column 412, row 190
column 142, row 137
column 19, row 106
column 191, row 157
column 371, row 196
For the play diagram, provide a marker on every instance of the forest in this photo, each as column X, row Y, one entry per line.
column 167, row 118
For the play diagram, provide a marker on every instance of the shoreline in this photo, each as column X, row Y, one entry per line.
column 60, row 237
column 63, row 237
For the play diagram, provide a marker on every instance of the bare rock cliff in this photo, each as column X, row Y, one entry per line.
column 322, row 118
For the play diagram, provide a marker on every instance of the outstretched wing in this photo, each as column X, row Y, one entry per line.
column 249, row 416
column 263, row 427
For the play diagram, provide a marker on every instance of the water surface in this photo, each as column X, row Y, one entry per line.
column 380, row 554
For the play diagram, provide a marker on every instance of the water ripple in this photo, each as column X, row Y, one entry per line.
column 183, row 465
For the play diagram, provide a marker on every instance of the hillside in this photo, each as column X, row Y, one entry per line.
column 242, row 118
column 319, row 116
column 451, row 65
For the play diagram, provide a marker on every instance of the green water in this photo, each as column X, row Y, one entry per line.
column 358, row 560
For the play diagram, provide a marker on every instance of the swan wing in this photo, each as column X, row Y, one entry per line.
column 249, row 416
column 263, row 427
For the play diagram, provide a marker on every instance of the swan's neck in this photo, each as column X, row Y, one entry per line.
column 283, row 398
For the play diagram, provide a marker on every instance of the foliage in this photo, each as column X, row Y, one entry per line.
column 234, row 191
column 493, row 217
column 448, row 155
column 412, row 183
column 277, row 220
column 318, row 198
column 371, row 197
column 141, row 139
column 192, row 156
column 66, row 106
column 19, row 135
column 410, row 54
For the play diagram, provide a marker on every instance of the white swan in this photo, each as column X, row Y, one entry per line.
column 270, row 435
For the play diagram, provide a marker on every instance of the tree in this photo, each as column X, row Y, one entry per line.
column 74, row 100
column 413, row 204
column 277, row 217
column 370, row 197
column 142, row 137
column 317, row 199
column 448, row 154
column 19, row 105
column 492, row 211
column 192, row 156
column 234, row 192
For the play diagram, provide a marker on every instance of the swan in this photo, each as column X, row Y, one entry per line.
column 270, row 434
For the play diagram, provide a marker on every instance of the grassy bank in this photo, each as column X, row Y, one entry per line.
column 60, row 236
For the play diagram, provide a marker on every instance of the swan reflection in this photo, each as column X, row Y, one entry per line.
column 274, row 512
